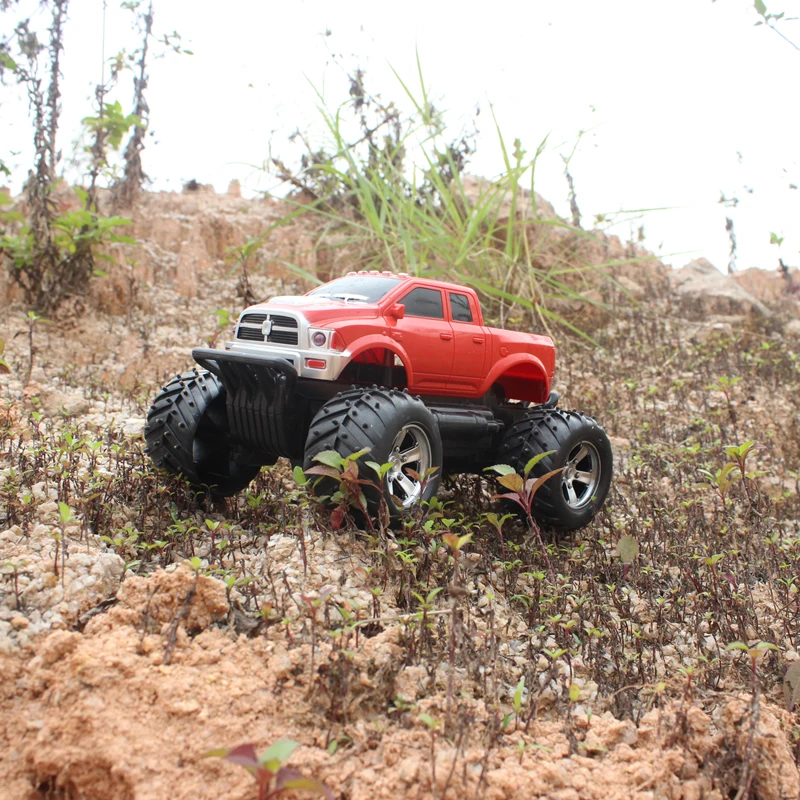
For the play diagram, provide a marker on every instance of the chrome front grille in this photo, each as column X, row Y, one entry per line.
column 282, row 322
column 250, row 334
column 283, row 337
column 253, row 319
column 282, row 330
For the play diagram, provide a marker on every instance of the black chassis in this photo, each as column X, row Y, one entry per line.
column 270, row 410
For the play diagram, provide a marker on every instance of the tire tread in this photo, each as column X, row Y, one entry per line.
column 172, row 423
column 541, row 430
column 360, row 418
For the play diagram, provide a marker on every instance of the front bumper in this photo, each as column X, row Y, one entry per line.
column 335, row 361
column 264, row 410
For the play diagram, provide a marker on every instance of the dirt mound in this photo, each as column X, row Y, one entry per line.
column 195, row 601
column 100, row 715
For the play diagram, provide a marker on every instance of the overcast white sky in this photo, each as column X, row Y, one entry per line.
column 681, row 99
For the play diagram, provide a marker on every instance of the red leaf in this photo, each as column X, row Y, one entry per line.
column 328, row 472
column 288, row 778
column 337, row 517
column 351, row 473
column 513, row 497
column 244, row 754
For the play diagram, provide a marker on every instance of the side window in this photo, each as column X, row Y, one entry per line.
column 422, row 302
column 459, row 307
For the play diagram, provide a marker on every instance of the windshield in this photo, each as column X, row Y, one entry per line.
column 357, row 288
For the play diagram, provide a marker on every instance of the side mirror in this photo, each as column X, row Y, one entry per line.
column 398, row 311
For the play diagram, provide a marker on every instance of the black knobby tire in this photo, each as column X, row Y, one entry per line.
column 396, row 427
column 570, row 499
column 187, row 433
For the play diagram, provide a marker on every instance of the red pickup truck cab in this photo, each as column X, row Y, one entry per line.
column 424, row 335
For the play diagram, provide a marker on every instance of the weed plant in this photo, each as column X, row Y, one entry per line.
column 390, row 190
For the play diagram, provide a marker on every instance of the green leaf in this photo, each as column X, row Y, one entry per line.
column 627, row 549
column 741, row 450
column 574, row 692
column 299, row 476
column 65, row 513
column 116, row 222
column 380, row 469
column 763, row 646
column 760, row 7
column 432, row 594
column 517, row 701
column 502, row 469
column 278, row 753
column 535, row 460
column 431, row 723
column 219, row 752
column 195, row 563
column 456, row 542
column 358, row 453
column 737, row 646
column 6, row 62
column 330, row 458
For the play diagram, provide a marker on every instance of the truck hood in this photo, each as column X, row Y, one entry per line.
column 321, row 310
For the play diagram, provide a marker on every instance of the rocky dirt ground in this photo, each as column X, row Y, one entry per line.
column 141, row 627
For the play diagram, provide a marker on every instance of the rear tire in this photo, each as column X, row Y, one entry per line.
column 570, row 499
column 187, row 434
column 397, row 428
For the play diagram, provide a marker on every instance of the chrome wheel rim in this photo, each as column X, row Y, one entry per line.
column 581, row 475
column 411, row 450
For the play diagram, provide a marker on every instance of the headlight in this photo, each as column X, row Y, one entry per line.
column 319, row 338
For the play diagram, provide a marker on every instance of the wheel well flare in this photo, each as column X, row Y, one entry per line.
column 525, row 381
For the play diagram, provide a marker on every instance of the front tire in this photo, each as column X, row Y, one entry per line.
column 187, row 433
column 570, row 499
column 397, row 428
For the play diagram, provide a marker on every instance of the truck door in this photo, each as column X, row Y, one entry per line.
column 471, row 344
column 427, row 337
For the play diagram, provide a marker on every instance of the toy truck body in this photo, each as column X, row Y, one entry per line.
column 402, row 365
column 422, row 335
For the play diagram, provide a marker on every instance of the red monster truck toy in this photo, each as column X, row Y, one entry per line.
column 401, row 365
